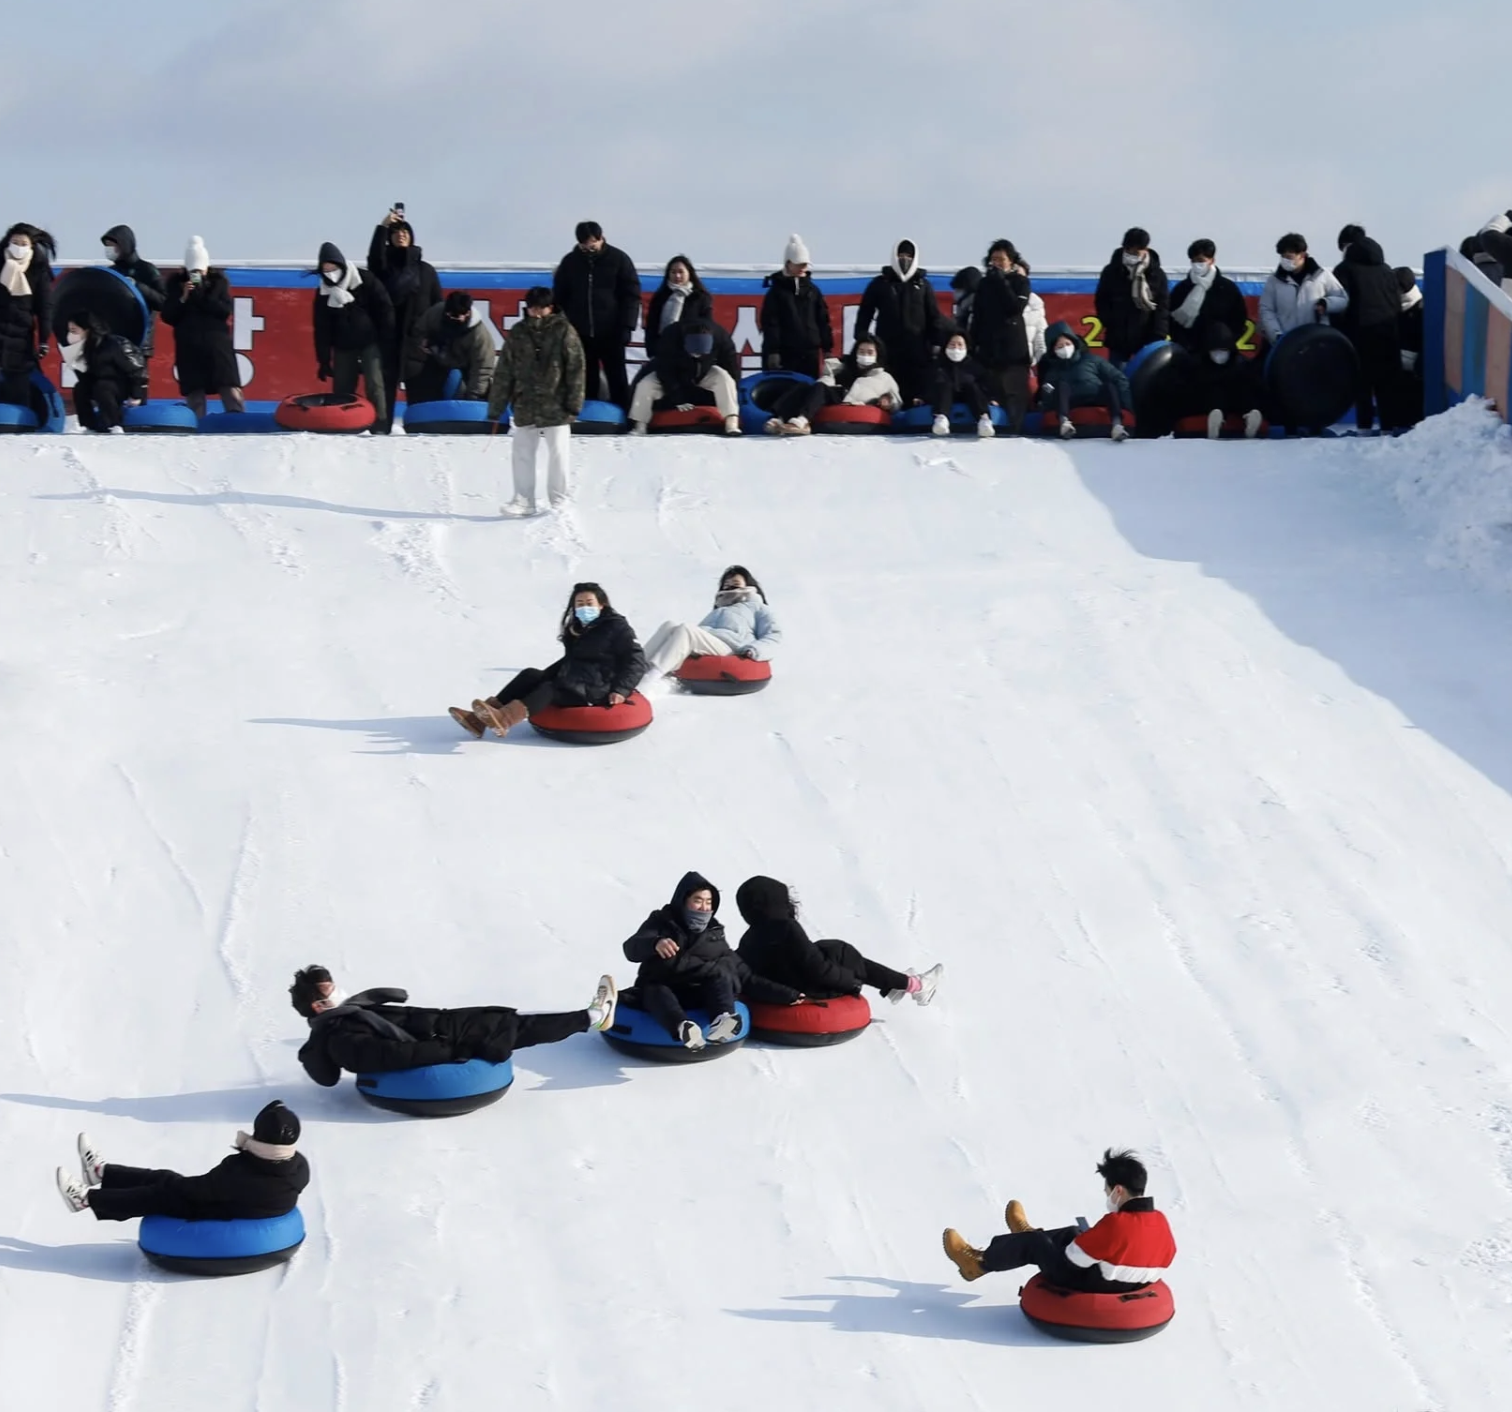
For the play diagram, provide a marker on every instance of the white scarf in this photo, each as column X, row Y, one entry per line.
column 73, row 357
column 339, row 295
column 1143, row 299
column 1191, row 306
column 1412, row 298
column 729, row 597
column 269, row 1152
column 672, row 310
column 13, row 276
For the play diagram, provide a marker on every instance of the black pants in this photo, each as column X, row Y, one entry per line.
column 98, row 403
column 1380, row 353
column 947, row 393
column 1009, row 388
column 1047, row 1250
column 606, row 350
column 805, row 399
column 391, row 357
column 494, row 1032
column 1066, row 399
column 914, row 372
column 534, row 688
column 664, row 1004
column 16, row 388
column 872, row 973
column 125, row 1193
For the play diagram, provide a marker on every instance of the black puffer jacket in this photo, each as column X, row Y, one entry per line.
column 111, row 358
column 904, row 312
column 598, row 661
column 240, row 1188
column 680, row 372
column 997, row 319
column 1222, row 304
column 700, row 955
column 147, row 276
column 777, row 946
column 411, row 282
column 201, row 322
column 367, row 320
column 1375, row 297
column 26, row 318
column 795, row 324
column 1127, row 327
column 600, row 294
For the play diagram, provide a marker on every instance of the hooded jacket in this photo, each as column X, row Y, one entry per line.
column 1090, row 377
column 1290, row 299
column 367, row 320
column 777, row 945
column 997, row 329
column 468, row 347
column 26, row 319
column 599, row 660
column 1222, row 304
column 1127, row 327
column 412, row 284
column 147, row 277
column 700, row 955
column 600, row 294
column 902, row 310
column 540, row 373
column 747, row 623
column 1375, row 297
column 795, row 324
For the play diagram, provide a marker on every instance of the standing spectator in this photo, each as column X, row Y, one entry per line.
column 449, row 337
column 121, row 250
column 598, row 290
column 1299, row 291
column 540, row 373
column 25, row 309
column 959, row 378
column 198, row 309
column 1205, row 297
column 680, row 296
column 998, row 332
column 110, row 373
column 696, row 365
column 1070, row 376
column 1495, row 241
column 900, row 307
column 1036, row 320
column 354, row 319
column 963, row 287
column 413, row 288
column 1407, row 399
column 1133, row 298
column 795, row 321
column 1371, row 320
column 1473, row 248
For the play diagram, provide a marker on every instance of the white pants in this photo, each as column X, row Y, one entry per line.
column 649, row 389
column 671, row 644
column 558, row 443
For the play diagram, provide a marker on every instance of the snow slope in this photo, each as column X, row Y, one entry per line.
column 1184, row 759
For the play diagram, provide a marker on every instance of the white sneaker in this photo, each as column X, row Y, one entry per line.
column 518, row 508
column 724, row 1028
column 690, row 1035
column 118, row 431
column 798, row 426
column 601, row 1012
column 91, row 1164
column 637, row 428
column 1119, row 433
column 929, row 982
column 1215, row 424
column 1252, row 420
column 773, row 427
column 1067, row 429
column 733, row 427
column 985, row 427
column 940, row 427
column 74, row 1193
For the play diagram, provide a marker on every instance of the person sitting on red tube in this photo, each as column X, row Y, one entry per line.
column 1129, row 1248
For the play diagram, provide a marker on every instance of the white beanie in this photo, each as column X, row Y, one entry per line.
column 797, row 252
column 196, row 257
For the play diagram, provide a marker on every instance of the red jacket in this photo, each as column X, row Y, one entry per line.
column 1132, row 1246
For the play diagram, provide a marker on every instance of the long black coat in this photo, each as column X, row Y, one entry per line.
column 795, row 324
column 906, row 316
column 147, row 277
column 374, row 1032
column 997, row 332
column 242, row 1187
column 1222, row 304
column 1375, row 297
column 600, row 294
column 701, row 956
column 598, row 661
column 411, row 282
column 1126, row 327
column 201, row 324
column 26, row 318
column 367, row 320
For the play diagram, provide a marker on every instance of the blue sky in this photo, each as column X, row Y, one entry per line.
column 269, row 125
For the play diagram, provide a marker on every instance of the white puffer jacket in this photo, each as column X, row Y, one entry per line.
column 1290, row 300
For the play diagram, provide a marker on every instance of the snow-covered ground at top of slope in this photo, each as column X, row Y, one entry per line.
column 1179, row 757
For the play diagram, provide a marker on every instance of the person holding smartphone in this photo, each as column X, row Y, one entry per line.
column 198, row 308
column 413, row 288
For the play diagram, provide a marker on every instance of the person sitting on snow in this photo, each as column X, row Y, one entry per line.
column 739, row 624
column 110, row 373
column 960, row 378
column 777, row 946
column 685, row 961
column 1129, row 1248
column 860, row 379
column 1070, row 376
column 375, row 1032
column 695, row 365
column 1220, row 382
column 261, row 1179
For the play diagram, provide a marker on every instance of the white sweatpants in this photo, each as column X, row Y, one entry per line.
column 670, row 645
column 558, row 443
column 719, row 382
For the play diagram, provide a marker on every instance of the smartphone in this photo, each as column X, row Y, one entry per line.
column 399, row 209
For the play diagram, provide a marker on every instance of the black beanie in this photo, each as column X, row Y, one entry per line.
column 276, row 1125
column 1405, row 278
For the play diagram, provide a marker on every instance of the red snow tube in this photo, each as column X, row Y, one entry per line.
column 695, row 419
column 594, row 725
column 1097, row 1318
column 723, row 676
column 1088, row 421
column 814, row 1023
column 1232, row 427
column 851, row 420
column 325, row 412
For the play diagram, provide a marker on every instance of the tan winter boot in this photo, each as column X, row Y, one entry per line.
column 962, row 1256
column 502, row 718
column 1014, row 1215
column 468, row 720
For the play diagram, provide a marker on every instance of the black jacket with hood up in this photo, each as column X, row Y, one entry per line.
column 410, row 281
column 367, row 320
column 147, row 277
column 1375, row 296
column 777, row 946
column 701, row 956
column 903, row 311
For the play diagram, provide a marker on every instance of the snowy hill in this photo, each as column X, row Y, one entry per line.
column 1183, row 759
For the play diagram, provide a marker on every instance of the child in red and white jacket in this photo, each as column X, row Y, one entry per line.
column 1131, row 1246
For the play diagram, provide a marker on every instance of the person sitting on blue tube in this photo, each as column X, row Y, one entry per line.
column 958, row 377
column 375, row 1032
column 685, row 961
column 261, row 1179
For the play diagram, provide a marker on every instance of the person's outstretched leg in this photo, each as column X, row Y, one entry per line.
column 125, row 1193
column 1046, row 1249
column 550, row 1028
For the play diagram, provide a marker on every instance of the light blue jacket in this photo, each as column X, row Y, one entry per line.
column 747, row 624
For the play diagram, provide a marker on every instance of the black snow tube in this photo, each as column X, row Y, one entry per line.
column 113, row 298
column 1312, row 375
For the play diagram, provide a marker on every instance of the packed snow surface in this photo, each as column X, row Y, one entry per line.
column 1190, row 762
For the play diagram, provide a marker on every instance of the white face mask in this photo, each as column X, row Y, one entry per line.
column 332, row 276
column 1133, row 261
column 1219, row 356
column 1291, row 263
column 76, row 338
column 1066, row 350
column 1112, row 1203
column 1200, row 269
column 955, row 354
column 866, row 360
column 112, row 252
column 19, row 253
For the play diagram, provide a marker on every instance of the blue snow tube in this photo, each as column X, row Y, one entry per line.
column 962, row 419
column 17, row 419
column 453, row 417
column 102, row 291
column 438, row 1090
column 759, row 391
column 171, row 417
column 635, row 1032
column 240, row 424
column 600, row 419
column 220, row 1247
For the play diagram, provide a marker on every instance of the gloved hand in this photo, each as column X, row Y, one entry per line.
column 684, row 406
column 747, row 652
column 1409, row 360
column 324, row 372
column 773, row 361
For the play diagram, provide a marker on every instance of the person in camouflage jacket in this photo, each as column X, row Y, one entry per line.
column 540, row 374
